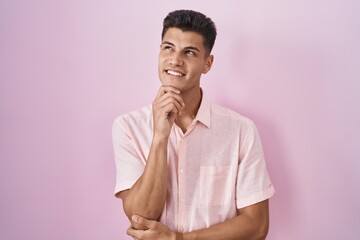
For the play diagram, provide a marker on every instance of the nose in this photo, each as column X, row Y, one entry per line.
column 176, row 60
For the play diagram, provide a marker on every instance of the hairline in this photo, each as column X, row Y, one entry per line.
column 207, row 50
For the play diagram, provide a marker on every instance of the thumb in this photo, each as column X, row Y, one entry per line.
column 143, row 221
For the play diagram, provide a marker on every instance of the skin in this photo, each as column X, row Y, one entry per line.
column 182, row 61
column 184, row 53
column 251, row 223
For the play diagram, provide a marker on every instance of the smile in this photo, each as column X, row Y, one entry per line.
column 174, row 73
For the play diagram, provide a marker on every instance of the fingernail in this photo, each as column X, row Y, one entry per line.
column 134, row 218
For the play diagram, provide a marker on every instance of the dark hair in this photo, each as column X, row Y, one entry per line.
column 189, row 20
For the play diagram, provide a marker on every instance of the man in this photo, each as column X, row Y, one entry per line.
column 186, row 168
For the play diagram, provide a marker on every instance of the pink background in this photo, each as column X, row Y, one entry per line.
column 68, row 68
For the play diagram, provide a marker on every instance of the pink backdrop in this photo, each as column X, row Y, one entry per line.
column 68, row 68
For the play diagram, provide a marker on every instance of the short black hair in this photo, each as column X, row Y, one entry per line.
column 189, row 20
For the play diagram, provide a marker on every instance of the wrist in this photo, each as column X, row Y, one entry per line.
column 160, row 139
column 188, row 236
column 179, row 236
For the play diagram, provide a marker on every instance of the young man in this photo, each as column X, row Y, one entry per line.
column 186, row 168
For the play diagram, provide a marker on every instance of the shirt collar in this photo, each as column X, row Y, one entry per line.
column 203, row 114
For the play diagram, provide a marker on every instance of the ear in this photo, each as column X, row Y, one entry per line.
column 208, row 63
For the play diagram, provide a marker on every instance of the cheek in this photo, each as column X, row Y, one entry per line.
column 162, row 61
column 199, row 69
column 205, row 68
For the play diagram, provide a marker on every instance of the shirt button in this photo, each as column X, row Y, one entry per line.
column 181, row 199
column 181, row 171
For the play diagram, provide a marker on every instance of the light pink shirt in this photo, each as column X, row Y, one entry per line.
column 216, row 167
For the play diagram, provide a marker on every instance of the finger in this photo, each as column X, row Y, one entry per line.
column 171, row 112
column 177, row 97
column 169, row 105
column 136, row 234
column 143, row 221
column 169, row 98
column 164, row 96
column 169, row 88
column 165, row 89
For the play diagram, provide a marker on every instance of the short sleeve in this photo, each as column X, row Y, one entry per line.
column 129, row 166
column 253, row 181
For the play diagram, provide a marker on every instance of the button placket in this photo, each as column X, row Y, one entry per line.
column 182, row 190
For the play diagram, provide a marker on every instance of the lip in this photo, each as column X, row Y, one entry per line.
column 176, row 71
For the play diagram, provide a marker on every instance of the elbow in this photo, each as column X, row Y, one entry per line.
column 261, row 236
column 146, row 213
column 150, row 215
column 262, row 231
column 134, row 206
column 131, row 208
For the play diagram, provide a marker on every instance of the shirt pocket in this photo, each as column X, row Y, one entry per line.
column 215, row 185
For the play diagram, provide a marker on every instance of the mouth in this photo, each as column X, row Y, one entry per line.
column 174, row 73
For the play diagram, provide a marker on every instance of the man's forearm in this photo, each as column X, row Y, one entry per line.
column 253, row 224
column 147, row 196
column 234, row 229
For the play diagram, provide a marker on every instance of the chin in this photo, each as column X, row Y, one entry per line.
column 169, row 82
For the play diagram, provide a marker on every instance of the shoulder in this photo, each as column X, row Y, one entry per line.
column 134, row 118
column 224, row 113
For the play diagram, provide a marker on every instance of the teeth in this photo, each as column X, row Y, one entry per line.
column 174, row 73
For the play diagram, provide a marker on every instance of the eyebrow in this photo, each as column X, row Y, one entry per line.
column 186, row 48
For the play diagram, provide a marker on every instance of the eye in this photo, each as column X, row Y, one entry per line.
column 190, row 53
column 168, row 48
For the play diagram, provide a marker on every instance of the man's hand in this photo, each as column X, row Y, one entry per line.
column 166, row 106
column 155, row 230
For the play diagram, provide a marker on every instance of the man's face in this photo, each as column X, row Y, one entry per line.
column 182, row 59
